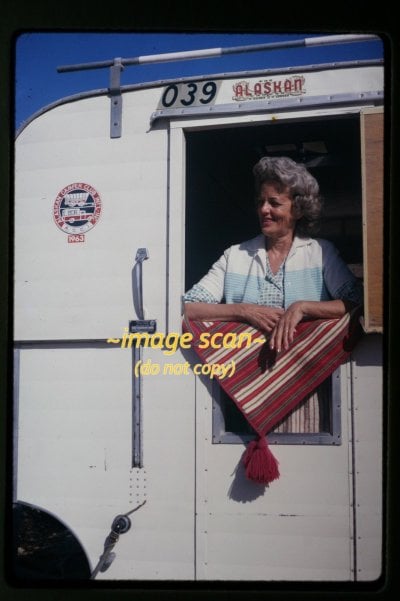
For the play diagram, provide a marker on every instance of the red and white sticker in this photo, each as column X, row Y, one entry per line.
column 76, row 210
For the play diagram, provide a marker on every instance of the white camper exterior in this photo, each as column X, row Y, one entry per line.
column 94, row 439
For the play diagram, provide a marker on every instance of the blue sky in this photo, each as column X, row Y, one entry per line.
column 38, row 55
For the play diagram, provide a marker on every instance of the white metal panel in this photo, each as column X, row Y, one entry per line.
column 161, row 546
column 74, row 455
column 368, row 435
column 74, row 437
column 271, row 547
column 298, row 528
column 84, row 290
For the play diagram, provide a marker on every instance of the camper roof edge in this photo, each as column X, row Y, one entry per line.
column 166, row 82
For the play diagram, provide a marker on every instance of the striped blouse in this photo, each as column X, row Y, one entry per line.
column 313, row 270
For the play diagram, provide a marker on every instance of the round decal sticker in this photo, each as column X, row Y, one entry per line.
column 77, row 208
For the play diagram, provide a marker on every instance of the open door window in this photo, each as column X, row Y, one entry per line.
column 220, row 212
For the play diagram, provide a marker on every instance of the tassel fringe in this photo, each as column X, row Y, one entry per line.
column 261, row 465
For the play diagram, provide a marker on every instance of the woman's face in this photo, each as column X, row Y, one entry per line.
column 275, row 212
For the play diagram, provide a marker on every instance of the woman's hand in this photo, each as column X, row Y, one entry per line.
column 261, row 317
column 283, row 333
column 280, row 323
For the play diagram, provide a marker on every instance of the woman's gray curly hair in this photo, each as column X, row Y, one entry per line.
column 302, row 186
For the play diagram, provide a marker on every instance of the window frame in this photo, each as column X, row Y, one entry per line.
column 221, row 436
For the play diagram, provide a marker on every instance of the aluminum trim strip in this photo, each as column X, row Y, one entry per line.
column 269, row 106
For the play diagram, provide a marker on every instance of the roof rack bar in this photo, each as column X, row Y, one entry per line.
column 215, row 52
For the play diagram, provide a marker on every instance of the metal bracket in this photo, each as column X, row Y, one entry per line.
column 116, row 99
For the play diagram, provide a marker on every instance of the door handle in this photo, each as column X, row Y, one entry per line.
column 141, row 255
column 136, row 326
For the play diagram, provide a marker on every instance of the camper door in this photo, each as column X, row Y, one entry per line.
column 306, row 525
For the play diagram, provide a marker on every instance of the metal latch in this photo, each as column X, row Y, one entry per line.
column 121, row 524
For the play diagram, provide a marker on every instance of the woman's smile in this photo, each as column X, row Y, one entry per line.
column 275, row 211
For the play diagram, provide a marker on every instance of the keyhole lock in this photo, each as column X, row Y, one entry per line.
column 121, row 524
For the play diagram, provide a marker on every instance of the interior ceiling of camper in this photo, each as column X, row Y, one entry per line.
column 220, row 196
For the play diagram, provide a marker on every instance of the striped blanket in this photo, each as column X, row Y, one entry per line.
column 267, row 386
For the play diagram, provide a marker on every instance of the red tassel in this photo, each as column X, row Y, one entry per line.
column 261, row 466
